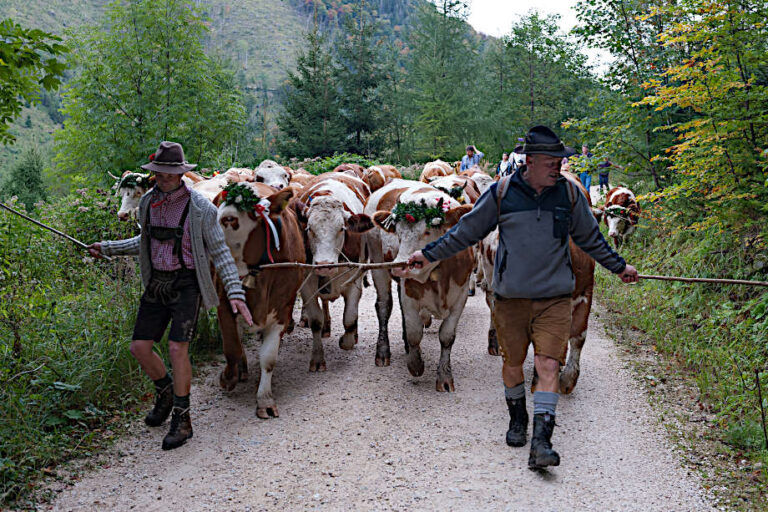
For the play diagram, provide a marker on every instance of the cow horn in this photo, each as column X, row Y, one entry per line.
column 112, row 176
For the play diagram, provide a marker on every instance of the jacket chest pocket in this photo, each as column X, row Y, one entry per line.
column 561, row 223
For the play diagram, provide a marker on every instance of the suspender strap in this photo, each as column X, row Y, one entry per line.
column 180, row 236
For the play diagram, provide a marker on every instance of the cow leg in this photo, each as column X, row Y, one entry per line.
column 352, row 295
column 426, row 319
column 326, row 320
column 472, row 283
column 569, row 375
column 414, row 331
column 237, row 365
column 270, row 345
column 402, row 315
column 493, row 341
column 303, row 319
column 447, row 336
column 315, row 317
column 383, row 285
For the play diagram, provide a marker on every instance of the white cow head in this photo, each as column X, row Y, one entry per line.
column 130, row 188
column 621, row 223
column 327, row 223
column 417, row 220
column 276, row 177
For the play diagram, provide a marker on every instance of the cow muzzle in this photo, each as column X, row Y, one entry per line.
column 123, row 215
column 325, row 272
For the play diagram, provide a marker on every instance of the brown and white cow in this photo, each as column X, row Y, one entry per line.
column 355, row 170
column 132, row 185
column 273, row 174
column 213, row 186
column 270, row 293
column 482, row 179
column 331, row 212
column 434, row 169
column 437, row 290
column 300, row 178
column 377, row 176
column 583, row 267
column 620, row 214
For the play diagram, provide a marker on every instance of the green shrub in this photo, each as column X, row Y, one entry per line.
column 327, row 164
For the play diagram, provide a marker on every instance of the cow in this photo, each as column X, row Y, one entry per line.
column 461, row 188
column 434, row 169
column 330, row 210
column 355, row 170
column 268, row 232
column 132, row 185
column 377, row 176
column 213, row 186
column 300, row 178
column 481, row 178
column 583, row 267
column 620, row 214
column 272, row 174
column 437, row 290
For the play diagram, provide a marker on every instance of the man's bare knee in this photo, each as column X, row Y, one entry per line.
column 141, row 348
column 546, row 365
column 177, row 349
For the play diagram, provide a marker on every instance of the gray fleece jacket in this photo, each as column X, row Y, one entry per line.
column 533, row 260
column 207, row 242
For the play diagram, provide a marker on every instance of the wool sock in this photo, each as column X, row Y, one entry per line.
column 181, row 402
column 515, row 392
column 161, row 384
column 545, row 402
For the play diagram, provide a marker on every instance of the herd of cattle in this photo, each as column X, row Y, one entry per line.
column 347, row 216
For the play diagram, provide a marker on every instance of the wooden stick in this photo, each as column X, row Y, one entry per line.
column 49, row 228
column 361, row 266
column 704, row 280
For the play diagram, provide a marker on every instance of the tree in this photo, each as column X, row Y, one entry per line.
column 29, row 61
column 144, row 78
column 442, row 72
column 359, row 76
column 25, row 181
column 311, row 121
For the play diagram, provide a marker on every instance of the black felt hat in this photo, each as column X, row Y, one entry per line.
column 543, row 141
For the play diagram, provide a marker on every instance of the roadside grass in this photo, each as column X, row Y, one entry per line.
column 68, row 383
column 716, row 336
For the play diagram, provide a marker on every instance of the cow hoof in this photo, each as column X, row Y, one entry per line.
column 228, row 382
column 347, row 341
column 568, row 379
column 325, row 333
column 494, row 351
column 445, row 385
column 267, row 412
column 427, row 323
column 382, row 361
column 242, row 368
column 416, row 365
column 291, row 326
column 317, row 366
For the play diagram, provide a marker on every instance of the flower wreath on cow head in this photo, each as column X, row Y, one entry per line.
column 246, row 200
column 133, row 180
column 413, row 212
column 622, row 212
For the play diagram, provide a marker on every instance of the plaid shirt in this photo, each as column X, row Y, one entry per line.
column 165, row 210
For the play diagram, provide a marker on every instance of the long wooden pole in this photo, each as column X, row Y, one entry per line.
column 49, row 228
column 704, row 280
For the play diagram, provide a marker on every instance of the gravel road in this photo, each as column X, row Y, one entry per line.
column 358, row 437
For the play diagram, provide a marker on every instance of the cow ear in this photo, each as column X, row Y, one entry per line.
column 381, row 219
column 218, row 199
column 125, row 173
column 598, row 213
column 453, row 215
column 279, row 200
column 301, row 210
column 359, row 223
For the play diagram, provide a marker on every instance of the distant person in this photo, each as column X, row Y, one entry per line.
column 472, row 157
column 604, row 170
column 505, row 166
column 584, row 167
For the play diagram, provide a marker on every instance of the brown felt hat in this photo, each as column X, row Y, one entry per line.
column 169, row 158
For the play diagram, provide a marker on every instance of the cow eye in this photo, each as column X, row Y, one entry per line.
column 426, row 233
column 259, row 179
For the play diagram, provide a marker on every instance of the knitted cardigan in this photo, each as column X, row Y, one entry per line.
column 207, row 243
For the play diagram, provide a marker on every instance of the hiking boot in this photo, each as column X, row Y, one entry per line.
column 180, row 431
column 542, row 454
column 162, row 408
column 518, row 422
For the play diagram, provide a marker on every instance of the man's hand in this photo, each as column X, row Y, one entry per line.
column 417, row 260
column 95, row 250
column 238, row 306
column 629, row 275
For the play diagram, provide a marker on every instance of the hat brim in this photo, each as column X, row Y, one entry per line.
column 168, row 169
column 560, row 154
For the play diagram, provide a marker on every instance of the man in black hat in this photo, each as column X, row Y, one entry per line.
column 180, row 234
column 536, row 211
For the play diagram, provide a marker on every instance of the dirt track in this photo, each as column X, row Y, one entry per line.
column 358, row 437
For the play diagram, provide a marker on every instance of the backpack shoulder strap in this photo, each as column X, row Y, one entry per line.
column 501, row 191
column 572, row 193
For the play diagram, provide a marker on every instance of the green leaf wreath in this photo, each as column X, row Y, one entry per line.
column 456, row 192
column 414, row 212
column 133, row 180
column 241, row 196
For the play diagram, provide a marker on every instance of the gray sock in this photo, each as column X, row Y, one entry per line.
column 515, row 393
column 545, row 402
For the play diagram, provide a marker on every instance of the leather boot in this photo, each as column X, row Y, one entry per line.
column 542, row 454
column 518, row 422
column 180, row 431
column 162, row 408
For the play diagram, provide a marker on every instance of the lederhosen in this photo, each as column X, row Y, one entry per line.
column 170, row 295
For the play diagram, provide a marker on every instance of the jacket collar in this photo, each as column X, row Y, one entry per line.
column 518, row 181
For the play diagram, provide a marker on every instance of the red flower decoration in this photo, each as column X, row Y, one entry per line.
column 215, row 173
column 151, row 157
column 410, row 218
column 224, row 194
column 259, row 208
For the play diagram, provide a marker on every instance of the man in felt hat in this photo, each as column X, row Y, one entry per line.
column 180, row 234
column 536, row 211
